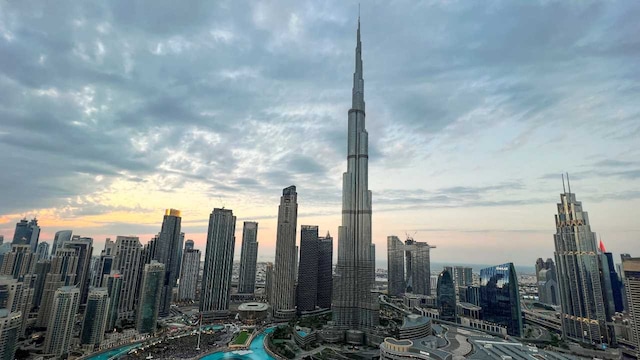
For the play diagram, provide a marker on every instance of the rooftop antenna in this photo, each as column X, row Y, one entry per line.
column 564, row 190
column 568, row 183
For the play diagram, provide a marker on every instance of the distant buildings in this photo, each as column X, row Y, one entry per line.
column 63, row 273
column 268, row 282
column 500, row 299
column 150, row 297
column 463, row 276
column 446, row 297
column 547, row 282
column 284, row 271
column 419, row 267
column 578, row 264
column 248, row 258
column 189, row 274
column 113, row 283
column 84, row 248
column 168, row 252
column 218, row 265
column 64, row 308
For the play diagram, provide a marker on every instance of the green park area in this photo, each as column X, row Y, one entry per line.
column 241, row 338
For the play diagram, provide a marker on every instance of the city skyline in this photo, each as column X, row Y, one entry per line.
column 462, row 127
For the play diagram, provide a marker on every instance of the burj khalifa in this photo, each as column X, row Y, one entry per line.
column 354, row 305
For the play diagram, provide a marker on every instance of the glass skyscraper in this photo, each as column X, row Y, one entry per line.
column 446, row 291
column 499, row 297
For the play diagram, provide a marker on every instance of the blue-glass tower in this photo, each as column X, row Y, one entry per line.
column 499, row 297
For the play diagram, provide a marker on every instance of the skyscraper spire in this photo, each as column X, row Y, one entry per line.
column 358, row 81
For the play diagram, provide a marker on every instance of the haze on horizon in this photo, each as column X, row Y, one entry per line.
column 110, row 115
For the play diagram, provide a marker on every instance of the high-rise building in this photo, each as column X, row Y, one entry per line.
column 9, row 333
column 60, row 325
column 446, row 297
column 1, row 239
column 395, row 266
column 63, row 272
column 84, row 249
column 500, row 298
column 284, row 271
column 113, row 283
column 578, row 265
column 325, row 271
column 27, row 233
column 150, row 294
column 43, row 267
column 354, row 305
column 419, row 276
column 95, row 318
column 611, row 276
column 43, row 250
column 10, row 293
column 268, row 282
column 19, row 262
column 104, row 266
column 631, row 269
column 189, row 274
column 128, row 250
column 307, row 293
column 189, row 245
column 60, row 238
column 168, row 252
column 248, row 258
column 218, row 265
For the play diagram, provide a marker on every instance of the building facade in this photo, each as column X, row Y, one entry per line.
column 9, row 333
column 128, row 253
column 84, row 248
column 63, row 272
column 248, row 258
column 284, row 271
column 325, row 271
column 395, row 266
column 60, row 237
column 189, row 275
column 95, row 318
column 150, row 297
column 500, row 298
column 60, row 325
column 27, row 233
column 631, row 269
column 168, row 252
column 446, row 295
column 307, row 294
column 578, row 267
column 43, row 250
column 354, row 305
column 218, row 265
column 419, row 272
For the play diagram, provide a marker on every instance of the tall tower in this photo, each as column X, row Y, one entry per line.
column 84, row 248
column 354, row 304
column 27, row 232
column 128, row 252
column 325, row 271
column 284, row 272
column 248, row 258
column 60, row 238
column 152, row 282
column 578, row 265
column 63, row 272
column 168, row 252
column 307, row 291
column 395, row 266
column 43, row 251
column 60, row 329
column 218, row 265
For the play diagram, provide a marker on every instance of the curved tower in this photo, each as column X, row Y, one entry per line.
column 354, row 305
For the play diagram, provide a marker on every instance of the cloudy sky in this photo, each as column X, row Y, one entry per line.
column 112, row 111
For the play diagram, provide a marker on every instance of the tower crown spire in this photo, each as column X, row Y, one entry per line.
column 358, row 81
